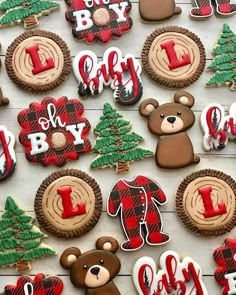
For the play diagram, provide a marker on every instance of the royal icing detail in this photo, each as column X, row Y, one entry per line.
column 116, row 144
column 100, row 20
column 54, row 131
column 39, row 285
column 217, row 128
column 173, row 277
column 137, row 201
column 121, row 74
column 7, row 153
column 225, row 274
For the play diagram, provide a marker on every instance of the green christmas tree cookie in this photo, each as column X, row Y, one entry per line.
column 20, row 240
column 26, row 11
column 116, row 144
column 224, row 63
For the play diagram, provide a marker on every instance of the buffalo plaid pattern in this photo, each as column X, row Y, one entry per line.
column 225, row 257
column 137, row 202
column 70, row 112
column 100, row 33
column 203, row 8
column 40, row 285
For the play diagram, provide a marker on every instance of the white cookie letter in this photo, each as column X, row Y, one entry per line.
column 119, row 9
column 83, row 19
column 231, row 277
column 38, row 143
column 76, row 130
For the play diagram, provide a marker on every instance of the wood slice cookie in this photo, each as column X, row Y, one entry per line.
column 68, row 203
column 173, row 57
column 38, row 61
column 205, row 202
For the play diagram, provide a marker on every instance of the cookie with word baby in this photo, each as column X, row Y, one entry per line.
column 175, row 276
column 68, row 203
column 99, row 20
column 39, row 285
column 205, row 202
column 38, row 61
column 173, row 57
column 54, row 131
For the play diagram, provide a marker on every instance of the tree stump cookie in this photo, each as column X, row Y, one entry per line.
column 205, row 202
column 68, row 203
column 173, row 57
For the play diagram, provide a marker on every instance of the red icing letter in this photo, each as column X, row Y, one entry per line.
column 38, row 66
column 68, row 212
column 173, row 59
column 210, row 211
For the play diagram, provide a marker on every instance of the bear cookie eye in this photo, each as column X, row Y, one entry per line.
column 85, row 267
column 101, row 261
column 162, row 116
column 178, row 113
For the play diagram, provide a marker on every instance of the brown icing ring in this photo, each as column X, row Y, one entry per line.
column 163, row 81
column 43, row 221
column 186, row 219
column 31, row 87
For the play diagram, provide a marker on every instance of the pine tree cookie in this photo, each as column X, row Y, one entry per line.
column 116, row 144
column 38, row 61
column 20, row 240
column 25, row 11
column 224, row 61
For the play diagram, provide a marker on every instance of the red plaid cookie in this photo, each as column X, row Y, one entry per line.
column 54, row 131
column 100, row 20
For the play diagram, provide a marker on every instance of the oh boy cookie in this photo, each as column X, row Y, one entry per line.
column 38, row 61
column 54, row 131
column 100, row 20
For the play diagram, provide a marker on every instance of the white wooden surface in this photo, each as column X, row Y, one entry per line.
column 23, row 184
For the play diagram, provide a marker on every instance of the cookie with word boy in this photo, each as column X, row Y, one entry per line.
column 173, row 57
column 54, row 131
column 206, row 202
column 68, row 203
column 99, row 20
column 38, row 61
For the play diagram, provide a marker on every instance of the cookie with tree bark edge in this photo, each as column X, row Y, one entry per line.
column 173, row 57
column 205, row 202
column 38, row 61
column 40, row 284
column 68, row 203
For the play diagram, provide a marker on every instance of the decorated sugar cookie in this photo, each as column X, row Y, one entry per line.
column 68, row 203
column 54, row 131
column 137, row 201
column 20, row 240
column 205, row 202
column 116, row 145
column 158, row 10
column 223, row 62
column 225, row 258
column 99, row 20
column 7, row 153
column 174, row 276
column 173, row 57
column 39, row 285
column 121, row 74
column 25, row 11
column 38, row 61
column 217, row 127
column 170, row 121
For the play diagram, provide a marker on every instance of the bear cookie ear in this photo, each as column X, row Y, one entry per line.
column 69, row 256
column 108, row 244
column 148, row 106
column 184, row 98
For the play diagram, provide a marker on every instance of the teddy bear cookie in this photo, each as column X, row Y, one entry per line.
column 170, row 122
column 68, row 203
column 99, row 20
column 157, row 10
column 173, row 277
column 173, row 57
column 205, row 202
column 38, row 61
column 40, row 284
column 137, row 201
column 94, row 270
column 54, row 131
